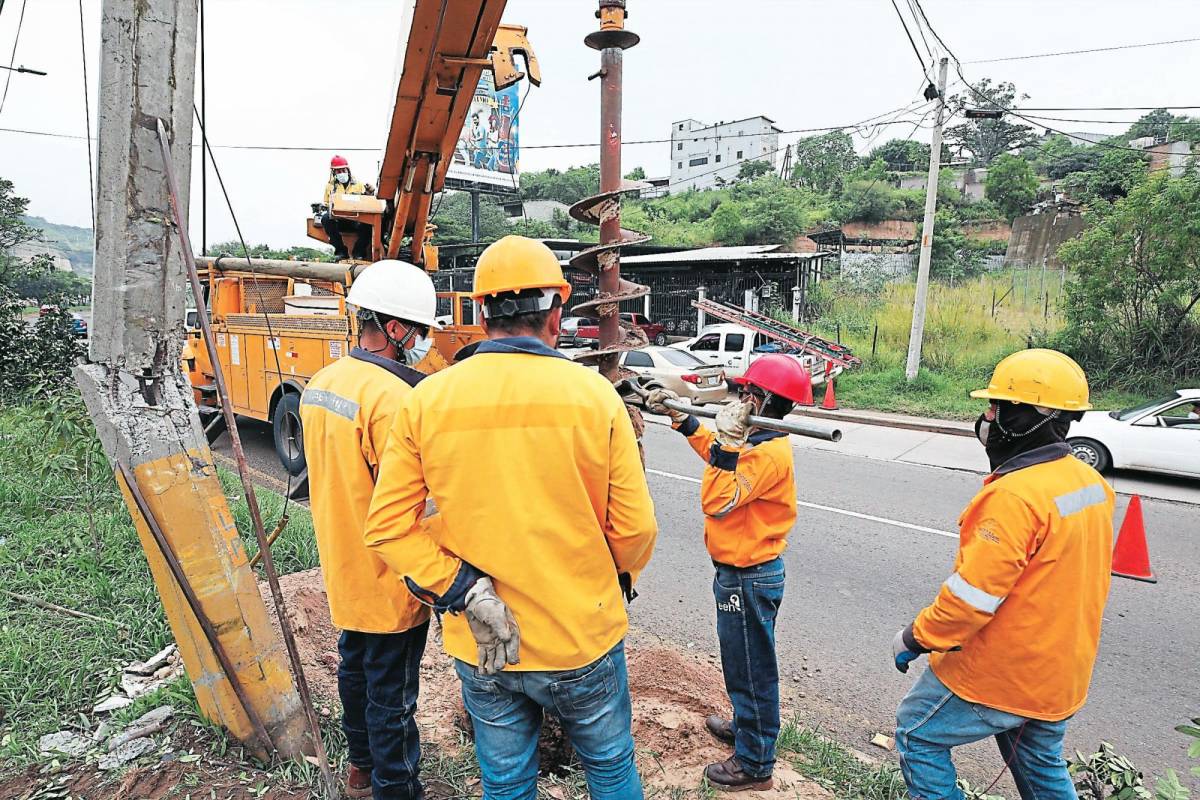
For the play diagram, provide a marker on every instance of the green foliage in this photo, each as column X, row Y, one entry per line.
column 987, row 139
column 749, row 170
column 902, row 155
column 1057, row 157
column 1116, row 173
column 567, row 186
column 727, row 225
column 35, row 359
column 1011, row 185
column 234, row 248
column 15, row 231
column 1131, row 312
column 821, row 162
column 1162, row 124
column 1105, row 774
column 636, row 174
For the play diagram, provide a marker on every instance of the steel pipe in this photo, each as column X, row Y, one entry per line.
column 793, row 427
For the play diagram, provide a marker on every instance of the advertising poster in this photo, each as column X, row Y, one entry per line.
column 488, row 149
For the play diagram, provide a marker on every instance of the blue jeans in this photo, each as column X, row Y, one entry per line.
column 378, row 681
column 932, row 719
column 593, row 704
column 748, row 600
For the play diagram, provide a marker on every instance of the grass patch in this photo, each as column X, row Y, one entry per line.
column 296, row 548
column 964, row 339
column 836, row 768
column 67, row 538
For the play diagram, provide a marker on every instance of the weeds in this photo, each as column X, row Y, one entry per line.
column 837, row 769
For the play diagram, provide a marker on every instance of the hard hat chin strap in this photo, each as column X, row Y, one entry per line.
column 400, row 344
column 1048, row 416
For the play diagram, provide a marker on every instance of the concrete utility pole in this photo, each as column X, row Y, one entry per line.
column 139, row 398
column 931, row 189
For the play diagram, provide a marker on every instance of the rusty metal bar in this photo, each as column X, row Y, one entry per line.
column 283, row 521
column 285, row 625
column 189, row 594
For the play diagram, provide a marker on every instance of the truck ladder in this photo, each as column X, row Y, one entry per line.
column 781, row 331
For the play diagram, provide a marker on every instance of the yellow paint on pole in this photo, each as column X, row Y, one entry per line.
column 185, row 496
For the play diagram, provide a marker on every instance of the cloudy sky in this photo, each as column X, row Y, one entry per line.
column 318, row 74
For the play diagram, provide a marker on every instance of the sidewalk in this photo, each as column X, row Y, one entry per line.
column 951, row 444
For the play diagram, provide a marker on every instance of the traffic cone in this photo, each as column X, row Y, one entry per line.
column 1131, row 559
column 830, row 401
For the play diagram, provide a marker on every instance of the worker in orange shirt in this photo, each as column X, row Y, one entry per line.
column 1014, row 630
column 748, row 494
column 531, row 461
column 347, row 411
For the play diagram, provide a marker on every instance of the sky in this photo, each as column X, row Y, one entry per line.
column 319, row 74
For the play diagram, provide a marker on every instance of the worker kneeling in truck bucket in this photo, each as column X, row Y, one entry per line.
column 533, row 465
column 748, row 495
column 341, row 181
column 347, row 411
column 1014, row 630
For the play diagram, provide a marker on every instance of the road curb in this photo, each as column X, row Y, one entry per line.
column 948, row 427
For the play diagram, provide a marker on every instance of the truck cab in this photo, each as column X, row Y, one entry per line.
column 735, row 348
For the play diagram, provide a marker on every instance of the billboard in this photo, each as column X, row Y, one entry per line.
column 488, row 149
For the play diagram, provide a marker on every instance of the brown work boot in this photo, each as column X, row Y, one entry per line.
column 728, row 776
column 720, row 727
column 358, row 782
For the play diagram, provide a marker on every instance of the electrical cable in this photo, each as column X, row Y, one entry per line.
column 908, row 33
column 13, row 57
column 273, row 342
column 87, row 117
column 921, row 30
column 1080, row 52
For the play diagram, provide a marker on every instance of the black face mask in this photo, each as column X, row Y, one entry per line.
column 1019, row 428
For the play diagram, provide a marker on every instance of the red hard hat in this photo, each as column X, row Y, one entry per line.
column 338, row 161
column 781, row 375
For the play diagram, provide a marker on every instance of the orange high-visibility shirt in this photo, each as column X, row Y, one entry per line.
column 748, row 496
column 1028, row 590
column 533, row 465
column 347, row 411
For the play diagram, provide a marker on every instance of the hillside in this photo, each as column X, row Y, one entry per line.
column 74, row 242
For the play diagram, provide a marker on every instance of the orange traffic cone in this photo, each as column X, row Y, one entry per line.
column 830, row 401
column 1131, row 559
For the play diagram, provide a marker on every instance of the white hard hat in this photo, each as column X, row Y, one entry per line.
column 397, row 289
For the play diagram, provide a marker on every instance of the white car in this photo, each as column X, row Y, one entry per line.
column 1163, row 436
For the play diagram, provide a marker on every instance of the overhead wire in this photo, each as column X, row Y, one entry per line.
column 273, row 343
column 1081, row 52
column 916, row 52
column 13, row 57
column 87, row 116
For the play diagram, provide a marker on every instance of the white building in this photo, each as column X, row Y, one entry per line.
column 704, row 155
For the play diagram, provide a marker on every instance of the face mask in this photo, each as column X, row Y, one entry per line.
column 343, row 178
column 418, row 351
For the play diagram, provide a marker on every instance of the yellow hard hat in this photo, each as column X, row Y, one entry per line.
column 1039, row 377
column 515, row 263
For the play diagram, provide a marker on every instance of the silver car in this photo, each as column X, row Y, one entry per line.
column 679, row 371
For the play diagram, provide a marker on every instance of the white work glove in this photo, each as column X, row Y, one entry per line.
column 733, row 424
column 496, row 634
column 656, row 404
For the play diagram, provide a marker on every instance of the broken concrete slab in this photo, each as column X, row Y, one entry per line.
column 125, row 753
column 67, row 743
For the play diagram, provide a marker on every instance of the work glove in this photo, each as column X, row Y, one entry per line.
column 905, row 648
column 656, row 404
column 497, row 637
column 733, row 424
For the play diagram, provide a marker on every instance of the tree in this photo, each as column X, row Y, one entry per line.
column 904, row 155
column 749, row 170
column 986, row 139
column 637, row 174
column 1011, row 185
column 1115, row 174
column 1131, row 312
column 727, row 225
column 569, row 186
column 1162, row 124
column 822, row 161
column 14, row 232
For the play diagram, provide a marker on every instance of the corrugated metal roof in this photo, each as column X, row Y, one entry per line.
column 760, row 252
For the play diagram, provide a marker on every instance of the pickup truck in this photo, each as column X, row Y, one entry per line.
column 589, row 335
column 735, row 348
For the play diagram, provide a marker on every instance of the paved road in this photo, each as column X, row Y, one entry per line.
column 853, row 581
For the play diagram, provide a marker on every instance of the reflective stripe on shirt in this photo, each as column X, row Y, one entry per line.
column 330, row 401
column 1078, row 500
column 973, row 596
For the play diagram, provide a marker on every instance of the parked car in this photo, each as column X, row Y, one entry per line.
column 1162, row 436
column 46, row 309
column 590, row 334
column 570, row 329
column 735, row 348
column 682, row 373
column 79, row 326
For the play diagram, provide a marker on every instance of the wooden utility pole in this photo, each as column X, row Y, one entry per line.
column 139, row 398
column 917, row 333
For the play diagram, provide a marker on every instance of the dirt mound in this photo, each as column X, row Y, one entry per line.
column 672, row 692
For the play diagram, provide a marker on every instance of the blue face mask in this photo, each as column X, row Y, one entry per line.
column 418, row 351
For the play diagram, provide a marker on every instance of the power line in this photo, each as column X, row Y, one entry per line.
column 13, row 57
column 921, row 30
column 87, row 115
column 908, row 33
column 1080, row 52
